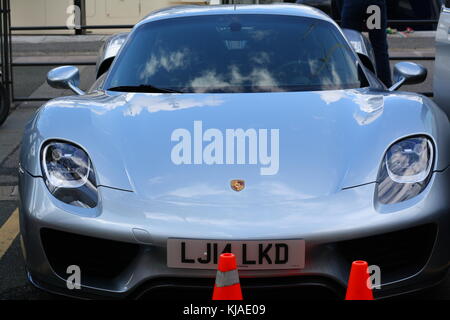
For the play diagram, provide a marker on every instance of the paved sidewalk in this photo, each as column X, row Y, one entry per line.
column 11, row 131
column 57, row 45
column 87, row 44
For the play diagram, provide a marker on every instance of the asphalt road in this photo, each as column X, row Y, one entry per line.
column 30, row 81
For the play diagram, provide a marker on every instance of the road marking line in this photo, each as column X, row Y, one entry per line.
column 8, row 232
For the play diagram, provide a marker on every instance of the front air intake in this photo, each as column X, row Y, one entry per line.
column 97, row 258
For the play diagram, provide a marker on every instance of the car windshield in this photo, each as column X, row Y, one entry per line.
column 235, row 53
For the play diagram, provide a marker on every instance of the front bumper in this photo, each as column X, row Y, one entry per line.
column 348, row 219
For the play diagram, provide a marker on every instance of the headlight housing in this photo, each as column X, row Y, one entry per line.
column 69, row 175
column 406, row 170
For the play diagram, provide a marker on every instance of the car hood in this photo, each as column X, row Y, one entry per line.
column 327, row 140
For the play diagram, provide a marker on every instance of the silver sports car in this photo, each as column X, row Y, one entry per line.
column 258, row 130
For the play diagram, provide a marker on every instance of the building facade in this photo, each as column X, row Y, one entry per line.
column 97, row 12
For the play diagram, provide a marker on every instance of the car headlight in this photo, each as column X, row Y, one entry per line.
column 405, row 171
column 69, row 175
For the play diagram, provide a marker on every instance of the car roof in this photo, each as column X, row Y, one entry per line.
column 198, row 10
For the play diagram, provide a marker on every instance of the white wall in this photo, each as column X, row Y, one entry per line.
column 98, row 12
column 39, row 12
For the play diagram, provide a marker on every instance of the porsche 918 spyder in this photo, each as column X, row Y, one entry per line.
column 260, row 130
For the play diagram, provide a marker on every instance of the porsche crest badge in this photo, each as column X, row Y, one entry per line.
column 237, row 185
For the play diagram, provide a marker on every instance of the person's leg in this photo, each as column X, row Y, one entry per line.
column 378, row 38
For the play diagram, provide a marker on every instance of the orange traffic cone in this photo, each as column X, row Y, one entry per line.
column 358, row 287
column 227, row 285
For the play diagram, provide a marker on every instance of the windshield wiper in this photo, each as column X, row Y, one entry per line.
column 143, row 88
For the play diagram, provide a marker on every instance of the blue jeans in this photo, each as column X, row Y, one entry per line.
column 354, row 16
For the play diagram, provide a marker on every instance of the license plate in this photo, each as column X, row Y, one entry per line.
column 250, row 255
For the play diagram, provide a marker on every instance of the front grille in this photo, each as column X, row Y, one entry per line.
column 277, row 288
column 97, row 258
column 397, row 253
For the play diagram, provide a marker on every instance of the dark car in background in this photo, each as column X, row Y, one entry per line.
column 330, row 7
column 397, row 10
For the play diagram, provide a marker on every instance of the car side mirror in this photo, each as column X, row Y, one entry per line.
column 66, row 77
column 408, row 73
